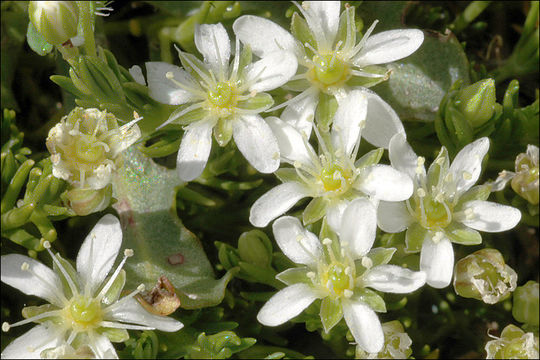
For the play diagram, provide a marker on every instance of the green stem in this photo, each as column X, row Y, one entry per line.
column 468, row 15
column 86, row 22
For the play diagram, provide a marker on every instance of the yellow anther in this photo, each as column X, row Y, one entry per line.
column 421, row 161
column 327, row 241
column 141, row 287
column 128, row 252
column 347, row 293
column 367, row 262
column 421, row 192
column 467, row 175
column 311, row 275
column 25, row 266
column 5, row 327
column 169, row 75
column 439, row 235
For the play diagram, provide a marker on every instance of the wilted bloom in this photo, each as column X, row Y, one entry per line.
column 85, row 149
column 85, row 312
column 514, row 343
column 332, row 178
column 444, row 208
column 341, row 273
column 525, row 307
column 483, row 275
column 397, row 343
column 332, row 61
column 56, row 21
column 221, row 97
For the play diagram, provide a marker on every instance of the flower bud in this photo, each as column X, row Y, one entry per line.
column 85, row 147
column 514, row 343
column 525, row 308
column 477, row 102
column 56, row 21
column 87, row 201
column 254, row 247
column 525, row 182
column 397, row 343
column 483, row 275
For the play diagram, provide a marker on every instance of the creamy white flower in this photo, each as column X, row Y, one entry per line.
column 84, row 309
column 334, row 177
column 332, row 61
column 340, row 272
column 444, row 208
column 226, row 99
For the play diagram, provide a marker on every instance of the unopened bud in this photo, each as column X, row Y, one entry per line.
column 525, row 308
column 526, row 180
column 56, row 21
column 477, row 102
column 514, row 343
column 397, row 344
column 483, row 275
column 88, row 201
column 254, row 247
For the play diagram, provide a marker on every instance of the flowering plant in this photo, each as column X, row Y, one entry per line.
column 315, row 179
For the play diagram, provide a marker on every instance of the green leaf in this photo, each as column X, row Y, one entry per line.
column 414, row 237
column 145, row 194
column 36, row 41
column 331, row 312
column 461, row 234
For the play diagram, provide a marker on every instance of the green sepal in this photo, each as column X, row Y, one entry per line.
column 190, row 63
column 113, row 334
column 301, row 31
column 36, row 41
column 259, row 103
column 71, row 272
column 414, row 238
column 439, row 167
column 246, row 58
column 371, row 158
column 315, row 210
column 459, row 127
column 478, row 192
column 294, row 275
column 100, row 79
column 262, row 275
column 325, row 112
column 370, row 298
column 223, row 131
column 227, row 255
column 331, row 312
column 347, row 25
column 380, row 255
column 115, row 290
column 287, row 175
column 31, row 311
column 461, row 234
column 187, row 118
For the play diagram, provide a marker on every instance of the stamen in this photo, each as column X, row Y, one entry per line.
column 119, row 303
column 74, row 290
column 181, row 113
column 32, row 319
column 361, row 43
column 116, row 325
column 236, row 61
column 127, row 253
column 170, row 76
column 193, row 65
column 366, row 74
column 71, row 337
column 420, row 192
column 438, row 237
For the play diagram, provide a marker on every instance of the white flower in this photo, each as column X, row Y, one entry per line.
column 84, row 308
column 215, row 96
column 445, row 206
column 331, row 60
column 332, row 178
column 340, row 273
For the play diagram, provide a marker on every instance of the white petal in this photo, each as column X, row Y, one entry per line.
column 393, row 217
column 334, row 214
column 286, row 304
column 46, row 284
column 383, row 182
column 257, row 143
column 98, row 251
column 358, row 227
column 491, row 217
column 388, row 46
column 403, row 157
column 382, row 121
column 102, row 347
column 164, row 90
column 30, row 344
column 130, row 311
column 297, row 243
column 272, row 71
column 276, row 202
column 349, row 119
column 137, row 74
column 323, row 20
column 394, row 279
column 437, row 261
column 194, row 150
column 364, row 325
column 213, row 43
column 300, row 114
column 262, row 35
column 467, row 165
column 292, row 144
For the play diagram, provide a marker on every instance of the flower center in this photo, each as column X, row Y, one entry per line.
column 335, row 179
column 84, row 312
column 328, row 71
column 89, row 150
column 431, row 213
column 336, row 279
column 222, row 96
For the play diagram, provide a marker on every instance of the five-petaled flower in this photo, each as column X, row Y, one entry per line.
column 444, row 208
column 85, row 312
column 340, row 271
